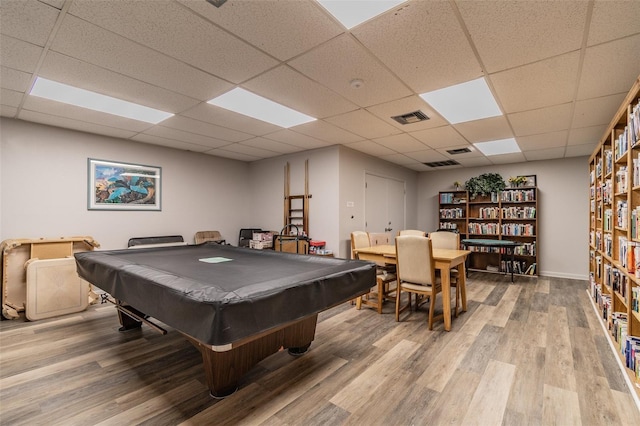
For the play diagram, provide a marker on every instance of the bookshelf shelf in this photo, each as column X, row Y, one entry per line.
column 614, row 229
column 509, row 215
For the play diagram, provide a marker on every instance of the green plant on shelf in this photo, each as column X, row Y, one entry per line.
column 485, row 184
column 517, row 181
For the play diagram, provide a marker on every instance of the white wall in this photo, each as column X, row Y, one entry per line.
column 43, row 188
column 563, row 209
column 353, row 167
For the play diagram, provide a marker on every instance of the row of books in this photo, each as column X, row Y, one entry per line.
column 636, row 171
column 623, row 247
column 608, row 161
column 518, row 229
column 635, row 223
column 622, row 179
column 621, row 144
column 518, row 267
column 455, row 213
column 528, row 249
column 488, row 212
column 606, row 192
column 621, row 214
column 483, row 228
column 451, row 198
column 635, row 299
column 615, row 280
column 518, row 195
column 518, row 212
column 634, row 125
column 448, row 225
column 607, row 220
column 607, row 244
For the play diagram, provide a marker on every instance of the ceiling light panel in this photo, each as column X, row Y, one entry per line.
column 249, row 104
column 351, row 13
column 464, row 102
column 64, row 93
column 502, row 146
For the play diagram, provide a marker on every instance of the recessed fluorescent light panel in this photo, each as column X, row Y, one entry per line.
column 354, row 12
column 246, row 103
column 64, row 93
column 502, row 146
column 464, row 102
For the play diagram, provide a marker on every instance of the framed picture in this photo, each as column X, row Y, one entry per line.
column 530, row 180
column 123, row 186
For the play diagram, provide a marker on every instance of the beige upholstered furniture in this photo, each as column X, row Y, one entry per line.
column 451, row 241
column 204, row 236
column 380, row 238
column 384, row 276
column 416, row 273
column 412, row 232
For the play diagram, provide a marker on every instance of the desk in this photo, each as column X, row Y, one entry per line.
column 236, row 305
column 444, row 259
column 508, row 245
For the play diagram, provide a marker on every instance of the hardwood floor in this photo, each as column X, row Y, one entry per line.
column 527, row 353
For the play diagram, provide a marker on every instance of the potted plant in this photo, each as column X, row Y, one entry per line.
column 457, row 185
column 517, row 181
column 485, row 184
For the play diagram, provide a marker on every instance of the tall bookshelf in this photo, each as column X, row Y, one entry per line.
column 614, row 232
column 509, row 215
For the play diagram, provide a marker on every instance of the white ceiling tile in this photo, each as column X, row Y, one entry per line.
column 401, row 143
column 179, row 135
column 297, row 139
column 283, row 29
column 427, row 156
column 544, row 154
column 169, row 143
column 18, row 54
column 517, row 157
column 324, row 65
column 322, row 130
column 613, row 19
column 522, row 32
column 488, row 129
column 272, row 145
column 543, row 120
column 10, row 97
column 474, row 161
column 580, row 150
column 63, row 69
column 586, row 135
column 599, row 111
column 179, row 32
column 371, row 148
column 28, row 20
column 14, row 79
column 419, row 167
column 440, row 137
column 7, row 111
column 71, row 112
column 250, row 150
column 413, row 40
column 363, row 123
column 90, row 43
column 232, row 155
column 290, row 88
column 621, row 61
column 401, row 159
column 206, row 129
column 55, row 3
column 407, row 105
column 541, row 84
column 543, row 141
column 232, row 120
column 75, row 124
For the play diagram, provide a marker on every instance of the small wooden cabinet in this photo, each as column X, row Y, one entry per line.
column 509, row 215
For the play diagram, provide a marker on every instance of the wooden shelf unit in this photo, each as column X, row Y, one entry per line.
column 509, row 215
column 614, row 230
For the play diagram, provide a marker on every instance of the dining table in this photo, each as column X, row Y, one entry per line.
column 445, row 260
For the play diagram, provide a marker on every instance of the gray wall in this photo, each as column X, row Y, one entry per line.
column 563, row 208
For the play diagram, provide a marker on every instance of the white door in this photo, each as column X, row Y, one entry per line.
column 384, row 204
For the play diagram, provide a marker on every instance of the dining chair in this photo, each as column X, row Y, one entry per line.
column 412, row 232
column 384, row 276
column 447, row 239
column 416, row 273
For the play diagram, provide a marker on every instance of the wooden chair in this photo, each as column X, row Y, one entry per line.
column 204, row 236
column 412, row 232
column 444, row 239
column 416, row 273
column 384, row 277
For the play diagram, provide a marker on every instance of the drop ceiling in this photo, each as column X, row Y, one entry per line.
column 558, row 69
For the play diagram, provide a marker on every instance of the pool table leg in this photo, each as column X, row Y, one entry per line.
column 223, row 370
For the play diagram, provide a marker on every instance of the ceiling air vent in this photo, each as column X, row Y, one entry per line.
column 411, row 117
column 217, row 3
column 442, row 163
column 458, row 151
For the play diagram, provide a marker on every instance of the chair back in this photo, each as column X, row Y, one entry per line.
column 445, row 240
column 380, row 238
column 412, row 232
column 204, row 236
column 414, row 257
column 359, row 239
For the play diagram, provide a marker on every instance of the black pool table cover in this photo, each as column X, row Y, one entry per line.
column 220, row 294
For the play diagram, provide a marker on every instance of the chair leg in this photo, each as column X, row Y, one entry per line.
column 432, row 307
column 398, row 303
column 380, row 294
column 359, row 302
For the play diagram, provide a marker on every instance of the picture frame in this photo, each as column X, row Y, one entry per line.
column 116, row 185
column 531, row 181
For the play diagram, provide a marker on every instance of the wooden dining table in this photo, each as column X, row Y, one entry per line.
column 444, row 259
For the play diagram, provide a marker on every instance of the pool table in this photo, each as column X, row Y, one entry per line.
column 236, row 305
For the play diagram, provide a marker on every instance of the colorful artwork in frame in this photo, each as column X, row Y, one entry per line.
column 123, row 186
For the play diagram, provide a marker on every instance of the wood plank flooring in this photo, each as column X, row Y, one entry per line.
column 525, row 353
